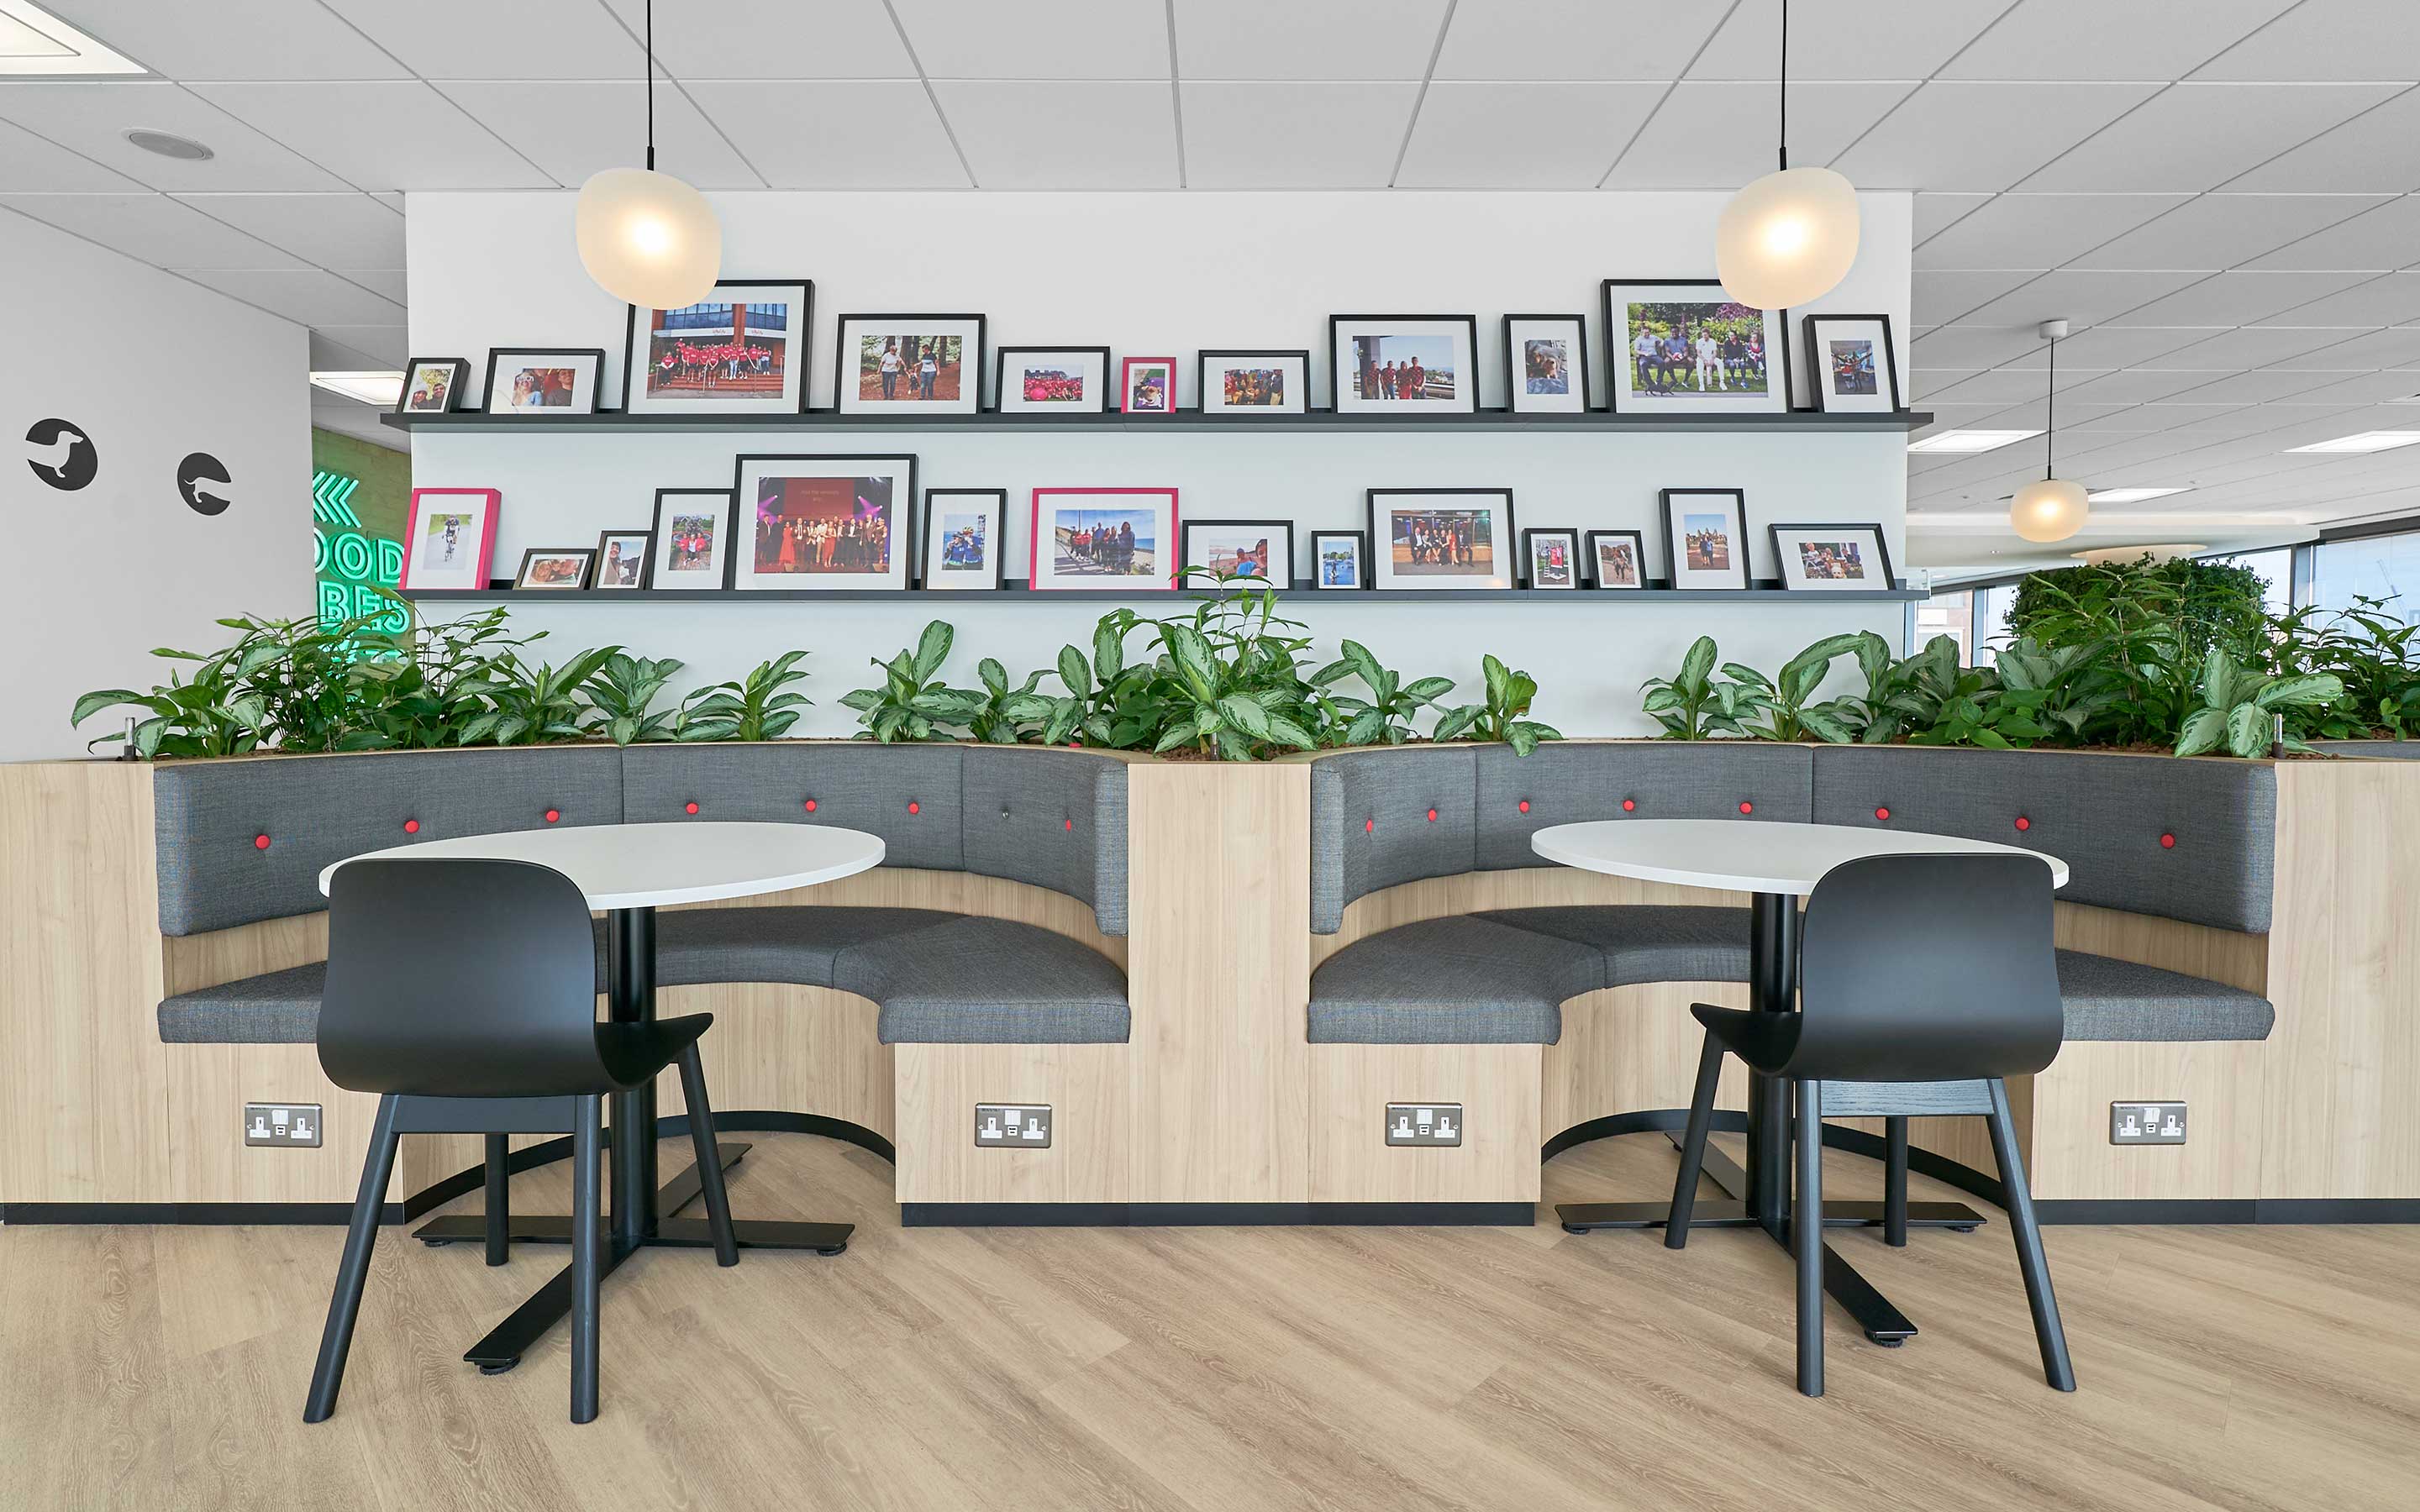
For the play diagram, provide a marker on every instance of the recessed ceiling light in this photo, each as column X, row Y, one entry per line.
column 33, row 41
column 2130, row 496
column 169, row 145
column 1970, row 441
column 381, row 389
column 2368, row 441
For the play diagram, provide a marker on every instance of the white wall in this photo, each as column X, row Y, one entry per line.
column 152, row 369
column 1165, row 274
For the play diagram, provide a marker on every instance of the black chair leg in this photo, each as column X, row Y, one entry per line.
column 361, row 1237
column 2056, row 1369
column 710, row 1160
column 588, row 1216
column 499, row 1202
column 1693, row 1144
column 1807, row 1238
column 1895, row 1181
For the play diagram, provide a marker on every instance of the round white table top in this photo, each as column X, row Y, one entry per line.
column 642, row 866
column 1745, row 855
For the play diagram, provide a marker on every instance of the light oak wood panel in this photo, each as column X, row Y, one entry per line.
column 1496, row 1086
column 963, row 892
column 2072, row 1157
column 2234, row 958
column 1635, row 1049
column 192, row 961
column 779, row 1048
column 208, row 1162
column 1220, row 977
column 1093, row 1151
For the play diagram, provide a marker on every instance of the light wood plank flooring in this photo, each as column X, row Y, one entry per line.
column 1218, row 1369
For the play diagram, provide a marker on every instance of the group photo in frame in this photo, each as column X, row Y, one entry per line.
column 963, row 545
column 1682, row 346
column 1705, row 537
column 1831, row 558
column 692, row 539
column 1850, row 363
column 1118, row 540
column 1253, row 382
column 449, row 539
column 555, row 569
column 1050, row 380
column 742, row 350
column 543, row 380
column 1261, row 549
column 1545, row 363
column 1339, row 560
column 1446, row 538
column 1617, row 559
column 432, row 386
column 906, row 364
column 822, row 522
column 1550, row 558
column 622, row 558
column 1403, row 365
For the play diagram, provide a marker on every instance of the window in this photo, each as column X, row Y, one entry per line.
column 2373, row 566
column 2277, row 569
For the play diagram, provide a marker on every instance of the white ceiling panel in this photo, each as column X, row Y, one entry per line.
column 2013, row 385
column 2250, row 346
column 2260, row 387
column 2400, row 347
column 332, row 230
column 2376, row 152
column 1342, row 135
column 1940, row 297
column 1535, row 135
column 91, row 118
column 330, row 355
column 2393, row 300
column 2238, row 298
column 2227, row 230
column 2136, row 385
column 385, row 344
column 1289, row 40
column 1926, row 383
column 2112, row 347
column 572, row 128
column 397, row 134
column 2198, row 136
column 2328, row 40
column 2096, row 39
column 29, row 164
column 2040, row 230
column 2081, row 297
column 774, row 40
column 823, row 136
column 2387, row 237
column 1037, row 38
column 500, row 38
column 386, row 282
column 1936, row 213
column 311, row 297
column 1064, row 133
column 1971, row 346
column 258, row 40
column 1843, row 39
column 1972, row 135
column 152, row 229
column 1715, row 135
column 2393, row 386
column 1570, row 39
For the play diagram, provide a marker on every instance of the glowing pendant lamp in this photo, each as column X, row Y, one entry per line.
column 646, row 237
column 1789, row 237
column 2052, row 509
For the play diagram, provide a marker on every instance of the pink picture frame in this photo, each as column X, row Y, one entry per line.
column 1103, row 540
column 449, row 540
column 1133, row 368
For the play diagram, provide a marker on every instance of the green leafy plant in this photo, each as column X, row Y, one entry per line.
column 209, row 714
column 2239, row 708
column 1510, row 694
column 1383, row 719
column 1690, row 704
column 529, row 705
column 1106, row 702
column 624, row 691
column 1788, row 701
column 418, row 691
column 913, row 703
column 757, row 707
column 1007, row 714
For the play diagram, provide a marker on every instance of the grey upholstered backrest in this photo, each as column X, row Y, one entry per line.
column 1381, row 818
column 210, row 817
column 1056, row 819
column 2106, row 815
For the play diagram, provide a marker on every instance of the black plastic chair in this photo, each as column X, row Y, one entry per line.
column 1924, row 981
column 464, row 994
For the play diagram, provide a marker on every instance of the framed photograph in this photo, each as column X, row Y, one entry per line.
column 544, row 381
column 692, row 539
column 1262, row 548
column 1545, row 356
column 1551, row 558
column 962, row 538
column 449, row 539
column 1339, row 560
column 1442, row 538
column 1115, row 539
column 821, row 523
column 1851, row 365
column 555, row 569
column 908, row 364
column 1705, row 537
column 432, row 386
column 1617, row 559
column 1831, row 558
column 1254, row 382
column 1052, row 380
column 621, row 560
column 1147, row 386
column 1403, row 365
column 1682, row 346
column 742, row 350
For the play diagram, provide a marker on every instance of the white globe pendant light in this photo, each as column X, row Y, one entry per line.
column 646, row 237
column 1791, row 236
column 2051, row 509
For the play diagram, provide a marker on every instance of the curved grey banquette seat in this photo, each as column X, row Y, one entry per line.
column 242, row 842
column 2182, row 840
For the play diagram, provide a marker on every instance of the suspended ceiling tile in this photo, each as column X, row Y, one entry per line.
column 1935, row 214
column 2393, row 386
column 2368, row 351
column 2387, row 237
column 385, row 282
column 2376, row 152
column 2114, row 346
column 1257, row 135
column 152, row 229
column 1288, row 40
column 383, row 343
column 2262, row 386
column 2139, row 385
column 1945, row 296
column 1972, row 346
column 2252, row 347
column 381, row 135
column 346, row 230
column 2042, row 230
column 2080, row 297
column 2227, row 230
column 2327, row 39
column 2013, row 385
column 1566, row 39
column 1843, row 39
column 2095, row 39
column 1535, row 135
column 311, row 297
column 1969, row 135
column 2240, row 298
column 1926, row 383
column 1720, row 135
column 573, row 127
column 1037, row 38
column 2196, row 136
column 92, row 118
column 255, row 40
column 30, row 166
column 2388, row 299
column 774, row 40
column 819, row 135
column 500, row 38
column 1063, row 134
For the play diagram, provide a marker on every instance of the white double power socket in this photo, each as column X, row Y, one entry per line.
column 1012, row 1126
column 1433, row 1124
column 282, row 1125
column 2147, row 1123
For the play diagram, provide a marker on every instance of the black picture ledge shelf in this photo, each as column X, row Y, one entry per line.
column 1017, row 590
column 613, row 421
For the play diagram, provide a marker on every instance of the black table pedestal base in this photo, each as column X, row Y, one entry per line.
column 555, row 1227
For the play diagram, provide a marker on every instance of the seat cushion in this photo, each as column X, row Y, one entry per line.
column 275, row 1008
column 1459, row 981
column 2111, row 999
column 1647, row 942
column 969, row 980
column 793, row 944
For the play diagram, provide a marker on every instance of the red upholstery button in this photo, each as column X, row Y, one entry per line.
column 1881, row 814
column 260, row 843
column 554, row 814
column 1746, row 807
column 1433, row 816
column 915, row 807
column 1368, row 827
column 2167, row 842
column 412, row 826
column 1628, row 804
column 811, row 806
column 2023, row 823
column 1525, row 806
column 693, row 808
column 1071, row 827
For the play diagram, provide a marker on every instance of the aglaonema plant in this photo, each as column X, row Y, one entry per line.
column 1385, row 717
column 1691, row 705
column 1510, row 694
column 1006, row 714
column 528, row 706
column 1788, row 701
column 2239, row 708
column 913, row 703
column 759, row 707
column 623, row 692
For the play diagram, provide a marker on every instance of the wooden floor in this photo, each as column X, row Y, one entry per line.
column 1218, row 1369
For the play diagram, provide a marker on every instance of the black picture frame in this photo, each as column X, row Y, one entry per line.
column 1510, row 575
column 1465, row 395
column 1360, row 540
column 655, row 538
column 743, row 517
column 841, row 345
column 587, row 555
column 1637, row 554
column 1777, row 399
column 995, row 547
column 1202, row 360
column 1882, row 553
column 596, row 583
column 1100, row 401
column 461, row 367
column 1281, row 533
column 496, row 355
column 1672, row 544
column 800, row 358
column 1815, row 369
column 1514, row 388
column 1530, row 561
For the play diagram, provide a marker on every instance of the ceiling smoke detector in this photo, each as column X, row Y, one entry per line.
column 169, row 145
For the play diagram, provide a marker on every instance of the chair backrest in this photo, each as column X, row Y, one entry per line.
column 1928, row 969
column 459, row 979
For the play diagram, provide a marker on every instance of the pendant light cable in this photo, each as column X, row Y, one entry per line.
column 1782, row 150
column 2049, row 417
column 651, row 86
